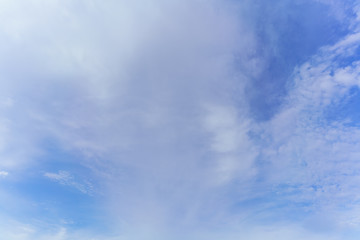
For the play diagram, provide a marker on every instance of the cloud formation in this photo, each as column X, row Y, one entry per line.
column 160, row 100
column 65, row 178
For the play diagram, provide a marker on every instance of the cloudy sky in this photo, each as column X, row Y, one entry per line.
column 179, row 119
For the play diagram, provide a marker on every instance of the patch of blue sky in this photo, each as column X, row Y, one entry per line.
column 51, row 201
column 346, row 110
column 351, row 234
column 289, row 38
column 56, row 158
column 59, row 203
column 342, row 61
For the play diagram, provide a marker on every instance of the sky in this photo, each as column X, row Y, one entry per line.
column 179, row 119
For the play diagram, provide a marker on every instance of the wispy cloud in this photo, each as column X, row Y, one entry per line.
column 314, row 157
column 3, row 173
column 65, row 178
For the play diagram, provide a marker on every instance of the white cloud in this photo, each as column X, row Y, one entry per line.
column 62, row 176
column 125, row 93
column 3, row 173
column 65, row 178
column 230, row 142
column 314, row 159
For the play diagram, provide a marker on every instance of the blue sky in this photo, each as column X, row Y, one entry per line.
column 191, row 119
